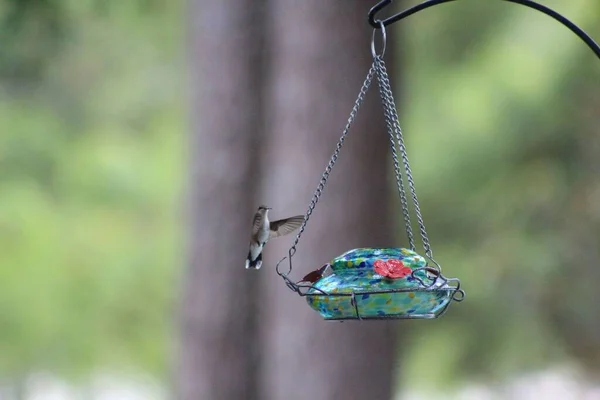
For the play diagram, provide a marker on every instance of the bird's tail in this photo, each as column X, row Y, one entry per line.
column 256, row 264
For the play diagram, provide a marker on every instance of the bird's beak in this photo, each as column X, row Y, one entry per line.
column 269, row 208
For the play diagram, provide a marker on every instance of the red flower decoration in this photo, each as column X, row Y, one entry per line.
column 392, row 269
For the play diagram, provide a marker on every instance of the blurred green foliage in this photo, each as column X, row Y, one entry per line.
column 501, row 108
column 500, row 103
column 90, row 179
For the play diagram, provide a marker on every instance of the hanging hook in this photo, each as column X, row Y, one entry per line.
column 373, row 11
column 378, row 24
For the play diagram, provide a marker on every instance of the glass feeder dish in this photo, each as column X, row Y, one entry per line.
column 357, row 289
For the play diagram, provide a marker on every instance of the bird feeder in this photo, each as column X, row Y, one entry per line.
column 387, row 283
column 383, row 283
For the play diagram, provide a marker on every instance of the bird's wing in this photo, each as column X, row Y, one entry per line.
column 257, row 223
column 285, row 226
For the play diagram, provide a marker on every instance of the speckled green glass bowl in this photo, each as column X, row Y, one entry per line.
column 353, row 273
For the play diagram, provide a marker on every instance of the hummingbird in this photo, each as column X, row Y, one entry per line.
column 263, row 230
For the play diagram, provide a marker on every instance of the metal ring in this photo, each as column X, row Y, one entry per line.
column 384, row 37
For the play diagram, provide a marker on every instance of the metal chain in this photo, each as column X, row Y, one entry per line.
column 334, row 157
column 390, row 106
column 389, row 120
column 396, row 135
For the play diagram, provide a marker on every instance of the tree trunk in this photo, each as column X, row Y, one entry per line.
column 320, row 58
column 217, row 357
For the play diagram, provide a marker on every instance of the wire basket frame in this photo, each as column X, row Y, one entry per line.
column 450, row 287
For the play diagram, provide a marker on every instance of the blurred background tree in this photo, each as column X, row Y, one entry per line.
column 500, row 106
column 219, row 356
column 320, row 58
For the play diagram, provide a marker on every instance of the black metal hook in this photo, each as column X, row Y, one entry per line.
column 373, row 12
column 375, row 23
